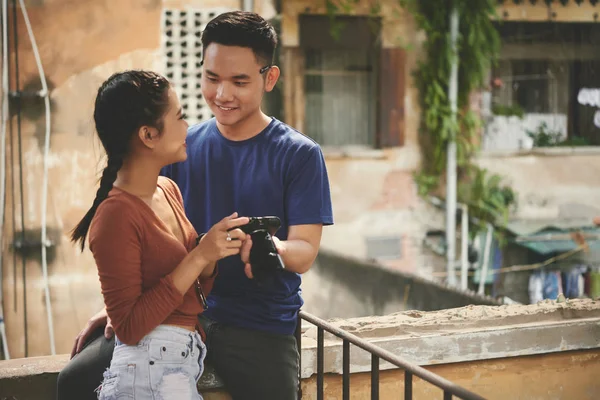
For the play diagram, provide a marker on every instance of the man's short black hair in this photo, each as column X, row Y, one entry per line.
column 244, row 29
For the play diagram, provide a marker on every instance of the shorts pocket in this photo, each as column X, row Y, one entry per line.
column 118, row 383
column 164, row 351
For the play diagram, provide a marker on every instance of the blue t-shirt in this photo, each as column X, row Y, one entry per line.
column 278, row 172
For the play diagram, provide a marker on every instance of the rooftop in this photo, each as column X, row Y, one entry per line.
column 545, row 350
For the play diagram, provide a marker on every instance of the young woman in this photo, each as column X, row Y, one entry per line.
column 153, row 276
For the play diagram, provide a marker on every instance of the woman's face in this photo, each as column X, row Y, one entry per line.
column 170, row 147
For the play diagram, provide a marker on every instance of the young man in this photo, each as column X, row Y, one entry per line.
column 243, row 160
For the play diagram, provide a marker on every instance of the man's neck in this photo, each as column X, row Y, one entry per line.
column 245, row 129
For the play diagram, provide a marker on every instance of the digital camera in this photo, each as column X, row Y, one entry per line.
column 264, row 258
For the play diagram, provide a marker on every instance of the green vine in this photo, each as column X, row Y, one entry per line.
column 478, row 48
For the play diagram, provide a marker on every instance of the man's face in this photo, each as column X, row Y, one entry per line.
column 232, row 83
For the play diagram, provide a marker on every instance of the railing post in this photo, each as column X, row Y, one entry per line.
column 374, row 377
column 346, row 376
column 377, row 353
column 320, row 362
column 299, row 345
column 407, row 385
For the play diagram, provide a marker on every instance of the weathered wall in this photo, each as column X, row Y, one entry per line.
column 81, row 44
column 555, row 11
column 567, row 181
column 342, row 287
column 373, row 191
column 373, row 194
column 557, row 376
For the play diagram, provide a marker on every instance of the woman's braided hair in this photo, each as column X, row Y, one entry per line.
column 125, row 102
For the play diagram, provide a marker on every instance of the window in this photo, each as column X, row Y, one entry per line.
column 543, row 67
column 340, row 80
column 534, row 86
column 182, row 55
column 531, row 81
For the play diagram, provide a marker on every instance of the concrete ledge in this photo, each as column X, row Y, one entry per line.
column 459, row 335
column 463, row 334
column 22, row 372
column 542, row 151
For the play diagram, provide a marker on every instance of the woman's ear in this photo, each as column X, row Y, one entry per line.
column 148, row 136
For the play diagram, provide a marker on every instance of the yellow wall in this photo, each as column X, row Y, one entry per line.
column 558, row 376
column 81, row 43
column 555, row 12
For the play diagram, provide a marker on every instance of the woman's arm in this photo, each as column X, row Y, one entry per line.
column 115, row 238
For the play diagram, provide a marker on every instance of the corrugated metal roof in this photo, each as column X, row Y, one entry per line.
column 547, row 247
column 554, row 236
column 526, row 227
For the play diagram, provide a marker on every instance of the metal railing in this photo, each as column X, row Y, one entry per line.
column 450, row 389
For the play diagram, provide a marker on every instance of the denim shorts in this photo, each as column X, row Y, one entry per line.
column 166, row 364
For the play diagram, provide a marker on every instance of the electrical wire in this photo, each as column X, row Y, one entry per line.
column 527, row 267
column 44, row 240
column 22, row 191
column 3, row 131
column 3, row 166
column 21, row 242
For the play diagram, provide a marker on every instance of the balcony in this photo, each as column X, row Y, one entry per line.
column 549, row 350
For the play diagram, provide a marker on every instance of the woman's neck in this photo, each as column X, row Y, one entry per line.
column 138, row 177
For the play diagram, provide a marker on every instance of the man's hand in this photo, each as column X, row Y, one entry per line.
column 245, row 253
column 245, row 256
column 98, row 320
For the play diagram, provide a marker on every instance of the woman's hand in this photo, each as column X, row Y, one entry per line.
column 222, row 240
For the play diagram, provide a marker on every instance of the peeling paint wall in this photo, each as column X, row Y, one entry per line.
column 80, row 44
column 372, row 196
column 343, row 287
column 373, row 192
column 567, row 181
column 376, row 195
column 568, row 375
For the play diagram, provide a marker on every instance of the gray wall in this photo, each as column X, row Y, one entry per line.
column 343, row 287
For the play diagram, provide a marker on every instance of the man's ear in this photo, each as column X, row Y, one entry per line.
column 272, row 77
column 148, row 136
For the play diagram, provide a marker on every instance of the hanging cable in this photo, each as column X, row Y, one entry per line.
column 22, row 191
column 44, row 92
column 12, row 164
column 3, row 166
column 13, row 191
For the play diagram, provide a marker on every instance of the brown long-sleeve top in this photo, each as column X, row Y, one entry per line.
column 135, row 252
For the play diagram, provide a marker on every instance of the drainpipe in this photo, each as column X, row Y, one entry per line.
column 464, row 248
column 486, row 257
column 451, row 156
column 248, row 5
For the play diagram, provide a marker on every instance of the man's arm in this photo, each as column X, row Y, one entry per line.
column 308, row 209
column 301, row 248
column 298, row 251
